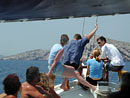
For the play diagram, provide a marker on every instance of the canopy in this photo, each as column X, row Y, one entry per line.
column 22, row 10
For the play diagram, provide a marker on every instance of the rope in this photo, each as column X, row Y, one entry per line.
column 94, row 36
column 97, row 20
column 83, row 26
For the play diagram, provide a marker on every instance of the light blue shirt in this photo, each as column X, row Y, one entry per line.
column 95, row 68
column 53, row 52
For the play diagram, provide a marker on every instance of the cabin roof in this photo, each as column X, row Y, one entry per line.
column 31, row 10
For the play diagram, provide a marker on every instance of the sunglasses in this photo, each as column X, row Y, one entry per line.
column 99, row 42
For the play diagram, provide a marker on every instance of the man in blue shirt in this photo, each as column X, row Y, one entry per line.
column 72, row 53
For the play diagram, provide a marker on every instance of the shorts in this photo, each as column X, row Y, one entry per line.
column 73, row 65
column 91, row 81
column 58, row 69
column 110, row 67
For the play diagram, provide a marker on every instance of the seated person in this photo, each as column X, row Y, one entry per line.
column 48, row 84
column 30, row 89
column 11, row 85
column 94, row 68
column 112, row 54
column 125, row 86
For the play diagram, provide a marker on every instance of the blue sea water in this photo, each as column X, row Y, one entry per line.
column 19, row 67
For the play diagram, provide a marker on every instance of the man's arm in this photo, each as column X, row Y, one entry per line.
column 35, row 94
column 58, row 56
column 93, row 32
column 30, row 91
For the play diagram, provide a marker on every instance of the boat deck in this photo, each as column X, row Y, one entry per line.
column 75, row 91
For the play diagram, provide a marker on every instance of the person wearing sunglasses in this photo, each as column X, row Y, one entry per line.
column 111, row 55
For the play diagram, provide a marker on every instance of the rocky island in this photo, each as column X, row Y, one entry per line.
column 40, row 54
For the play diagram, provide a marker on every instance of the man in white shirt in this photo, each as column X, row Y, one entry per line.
column 111, row 53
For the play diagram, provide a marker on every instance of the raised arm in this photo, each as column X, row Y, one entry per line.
column 93, row 32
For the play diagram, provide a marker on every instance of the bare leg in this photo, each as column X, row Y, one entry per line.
column 64, row 84
column 107, row 75
column 70, row 72
column 80, row 70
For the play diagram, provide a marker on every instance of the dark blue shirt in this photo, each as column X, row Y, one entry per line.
column 73, row 50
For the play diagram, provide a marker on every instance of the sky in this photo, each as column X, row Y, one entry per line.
column 18, row 37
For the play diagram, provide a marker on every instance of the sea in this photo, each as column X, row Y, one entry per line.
column 19, row 67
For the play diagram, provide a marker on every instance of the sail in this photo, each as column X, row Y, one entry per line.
column 22, row 10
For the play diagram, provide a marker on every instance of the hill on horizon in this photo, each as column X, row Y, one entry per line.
column 40, row 54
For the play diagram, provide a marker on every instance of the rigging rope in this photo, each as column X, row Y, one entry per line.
column 83, row 27
column 94, row 36
column 96, row 19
